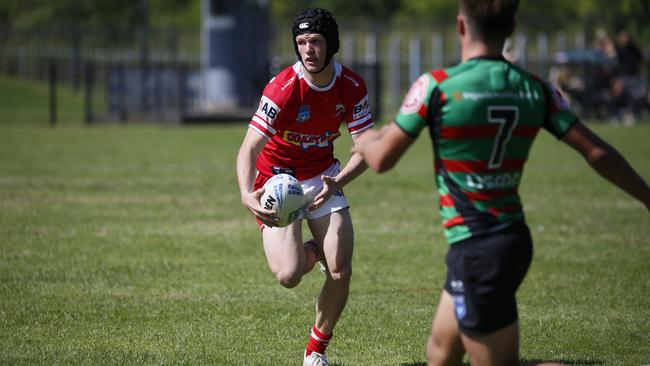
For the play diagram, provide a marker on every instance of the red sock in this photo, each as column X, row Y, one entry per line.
column 317, row 342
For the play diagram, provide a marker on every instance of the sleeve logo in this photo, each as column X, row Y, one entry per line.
column 267, row 110
column 415, row 97
column 559, row 99
column 361, row 109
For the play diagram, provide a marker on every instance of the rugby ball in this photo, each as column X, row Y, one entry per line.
column 283, row 194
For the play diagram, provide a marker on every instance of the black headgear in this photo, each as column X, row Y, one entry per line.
column 321, row 21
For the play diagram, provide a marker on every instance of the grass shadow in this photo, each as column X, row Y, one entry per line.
column 531, row 363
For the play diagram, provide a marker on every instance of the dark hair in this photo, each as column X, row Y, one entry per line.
column 317, row 20
column 490, row 19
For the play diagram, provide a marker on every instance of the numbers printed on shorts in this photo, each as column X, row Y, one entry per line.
column 507, row 118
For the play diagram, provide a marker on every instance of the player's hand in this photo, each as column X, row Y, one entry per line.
column 252, row 202
column 330, row 186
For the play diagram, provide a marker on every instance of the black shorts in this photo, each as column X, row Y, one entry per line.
column 483, row 274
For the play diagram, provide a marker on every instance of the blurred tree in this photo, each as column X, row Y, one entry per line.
column 112, row 14
column 178, row 13
column 576, row 14
column 123, row 14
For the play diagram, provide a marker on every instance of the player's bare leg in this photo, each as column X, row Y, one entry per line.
column 497, row 348
column 336, row 233
column 445, row 346
column 285, row 253
column 312, row 255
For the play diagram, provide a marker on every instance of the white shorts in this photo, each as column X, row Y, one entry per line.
column 313, row 186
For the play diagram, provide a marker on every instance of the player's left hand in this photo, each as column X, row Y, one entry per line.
column 330, row 186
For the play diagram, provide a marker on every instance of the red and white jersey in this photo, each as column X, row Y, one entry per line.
column 302, row 120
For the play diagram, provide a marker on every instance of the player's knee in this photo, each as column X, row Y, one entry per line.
column 439, row 352
column 341, row 274
column 288, row 279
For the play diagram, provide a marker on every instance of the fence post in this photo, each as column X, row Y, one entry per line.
column 76, row 58
column 89, row 74
column 437, row 51
column 415, row 58
column 542, row 54
column 394, row 67
column 156, row 75
column 122, row 91
column 52, row 78
column 520, row 49
column 181, row 73
column 145, row 55
column 370, row 59
column 348, row 48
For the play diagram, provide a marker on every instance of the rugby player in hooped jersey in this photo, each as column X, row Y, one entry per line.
column 292, row 132
column 483, row 116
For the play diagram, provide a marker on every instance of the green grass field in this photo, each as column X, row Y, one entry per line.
column 128, row 245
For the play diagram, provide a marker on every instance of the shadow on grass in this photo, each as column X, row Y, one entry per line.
column 531, row 363
column 561, row 362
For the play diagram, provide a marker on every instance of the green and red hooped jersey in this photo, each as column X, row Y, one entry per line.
column 483, row 116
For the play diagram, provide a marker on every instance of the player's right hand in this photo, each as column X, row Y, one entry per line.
column 252, row 202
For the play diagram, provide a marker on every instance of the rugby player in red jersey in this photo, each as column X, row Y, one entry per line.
column 292, row 132
column 483, row 115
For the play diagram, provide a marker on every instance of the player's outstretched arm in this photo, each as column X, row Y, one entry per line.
column 607, row 161
column 382, row 149
column 249, row 150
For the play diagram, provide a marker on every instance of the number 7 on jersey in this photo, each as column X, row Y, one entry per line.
column 507, row 118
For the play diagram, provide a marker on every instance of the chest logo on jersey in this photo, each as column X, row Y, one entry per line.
column 340, row 110
column 306, row 141
column 304, row 113
column 494, row 181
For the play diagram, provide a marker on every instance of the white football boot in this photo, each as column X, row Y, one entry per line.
column 315, row 359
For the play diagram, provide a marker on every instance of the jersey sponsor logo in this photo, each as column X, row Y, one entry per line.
column 267, row 110
column 306, row 141
column 493, row 181
column 520, row 95
column 416, row 95
column 303, row 114
column 361, row 109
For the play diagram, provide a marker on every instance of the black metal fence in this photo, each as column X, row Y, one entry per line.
column 156, row 75
column 122, row 76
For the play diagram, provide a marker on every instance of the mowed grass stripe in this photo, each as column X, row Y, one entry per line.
column 128, row 245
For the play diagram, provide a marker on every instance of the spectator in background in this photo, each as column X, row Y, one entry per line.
column 600, row 94
column 628, row 54
column 606, row 51
column 606, row 94
column 629, row 87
